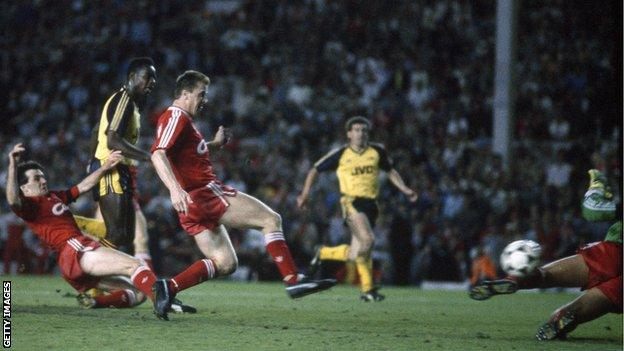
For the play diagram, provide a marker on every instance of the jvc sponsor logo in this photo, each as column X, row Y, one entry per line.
column 6, row 314
column 363, row 170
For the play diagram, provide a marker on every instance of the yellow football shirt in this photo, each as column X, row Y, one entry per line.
column 357, row 172
column 121, row 114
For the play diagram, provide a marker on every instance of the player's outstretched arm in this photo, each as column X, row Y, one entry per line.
column 116, row 142
column 397, row 181
column 179, row 198
column 307, row 185
column 92, row 179
column 222, row 137
column 12, row 191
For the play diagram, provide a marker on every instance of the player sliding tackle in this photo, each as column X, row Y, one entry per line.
column 206, row 206
column 597, row 269
column 84, row 264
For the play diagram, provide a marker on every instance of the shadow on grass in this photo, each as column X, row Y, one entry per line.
column 71, row 311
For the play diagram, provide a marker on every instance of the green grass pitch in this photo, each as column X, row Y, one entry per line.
column 259, row 316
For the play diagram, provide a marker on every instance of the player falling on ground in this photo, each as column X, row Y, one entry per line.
column 205, row 206
column 357, row 166
column 96, row 228
column 597, row 269
column 84, row 264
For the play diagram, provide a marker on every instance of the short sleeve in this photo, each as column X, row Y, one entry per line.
column 330, row 161
column 68, row 196
column 385, row 163
column 120, row 111
column 169, row 129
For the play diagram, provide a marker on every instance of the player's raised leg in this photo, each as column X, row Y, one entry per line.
column 245, row 211
column 329, row 253
column 570, row 271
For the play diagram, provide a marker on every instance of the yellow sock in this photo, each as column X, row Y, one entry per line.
column 334, row 253
column 365, row 269
column 350, row 272
column 91, row 226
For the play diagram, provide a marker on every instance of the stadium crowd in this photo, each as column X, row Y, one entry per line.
column 287, row 74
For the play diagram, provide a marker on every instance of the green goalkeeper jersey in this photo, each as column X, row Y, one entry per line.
column 597, row 207
column 614, row 234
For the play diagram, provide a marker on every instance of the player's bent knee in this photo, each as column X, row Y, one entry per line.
column 226, row 265
column 362, row 252
column 132, row 265
column 273, row 221
column 366, row 244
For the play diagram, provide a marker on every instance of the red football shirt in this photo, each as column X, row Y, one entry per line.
column 49, row 217
column 186, row 149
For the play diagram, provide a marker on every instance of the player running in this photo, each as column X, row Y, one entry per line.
column 357, row 166
column 205, row 206
column 84, row 264
column 597, row 269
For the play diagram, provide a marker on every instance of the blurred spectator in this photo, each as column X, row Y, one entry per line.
column 14, row 245
column 286, row 75
column 482, row 266
column 558, row 172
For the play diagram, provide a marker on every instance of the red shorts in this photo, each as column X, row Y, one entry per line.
column 604, row 260
column 69, row 263
column 209, row 204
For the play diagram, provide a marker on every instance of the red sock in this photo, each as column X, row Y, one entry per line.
column 145, row 257
column 277, row 248
column 196, row 273
column 118, row 299
column 143, row 278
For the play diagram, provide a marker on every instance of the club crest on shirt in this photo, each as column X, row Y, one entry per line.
column 202, row 147
column 59, row 208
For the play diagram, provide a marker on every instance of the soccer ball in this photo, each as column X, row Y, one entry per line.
column 520, row 258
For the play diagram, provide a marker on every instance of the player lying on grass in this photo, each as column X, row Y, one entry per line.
column 83, row 262
column 597, row 269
